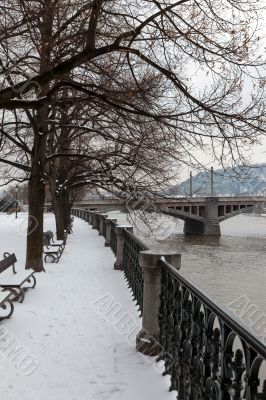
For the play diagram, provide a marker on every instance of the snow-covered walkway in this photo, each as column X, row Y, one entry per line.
column 74, row 327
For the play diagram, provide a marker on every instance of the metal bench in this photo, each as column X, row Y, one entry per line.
column 52, row 251
column 59, row 243
column 69, row 228
column 5, row 304
column 14, row 282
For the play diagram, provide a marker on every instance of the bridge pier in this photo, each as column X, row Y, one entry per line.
column 211, row 225
column 193, row 227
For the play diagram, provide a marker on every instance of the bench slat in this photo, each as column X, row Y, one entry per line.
column 51, row 251
column 15, row 280
column 58, row 243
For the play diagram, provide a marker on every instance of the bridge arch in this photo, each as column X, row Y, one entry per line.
column 240, row 210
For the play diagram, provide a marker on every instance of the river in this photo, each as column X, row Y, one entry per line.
column 231, row 269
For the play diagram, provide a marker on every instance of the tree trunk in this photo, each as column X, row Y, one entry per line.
column 59, row 219
column 36, row 194
column 67, row 210
column 36, row 198
column 57, row 206
column 62, row 209
column 62, row 215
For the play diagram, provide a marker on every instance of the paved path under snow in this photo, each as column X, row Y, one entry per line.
column 83, row 351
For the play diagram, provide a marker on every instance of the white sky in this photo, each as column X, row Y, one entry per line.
column 257, row 152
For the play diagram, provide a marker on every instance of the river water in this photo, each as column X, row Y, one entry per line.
column 231, row 269
column 227, row 267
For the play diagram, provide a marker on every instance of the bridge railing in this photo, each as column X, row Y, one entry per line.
column 208, row 353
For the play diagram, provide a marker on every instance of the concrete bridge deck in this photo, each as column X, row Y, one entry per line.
column 182, row 201
column 202, row 215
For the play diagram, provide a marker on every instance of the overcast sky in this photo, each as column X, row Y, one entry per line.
column 257, row 152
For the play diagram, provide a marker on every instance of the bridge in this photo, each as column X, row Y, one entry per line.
column 202, row 215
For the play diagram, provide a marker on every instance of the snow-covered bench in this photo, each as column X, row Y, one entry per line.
column 58, row 243
column 70, row 226
column 15, row 281
column 52, row 251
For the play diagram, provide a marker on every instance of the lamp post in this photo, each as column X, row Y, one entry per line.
column 190, row 185
column 212, row 183
column 16, row 188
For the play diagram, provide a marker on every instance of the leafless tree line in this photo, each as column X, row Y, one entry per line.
column 117, row 95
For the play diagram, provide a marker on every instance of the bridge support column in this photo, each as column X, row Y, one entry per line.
column 212, row 224
column 193, row 227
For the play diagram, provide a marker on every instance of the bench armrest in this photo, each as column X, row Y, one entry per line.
column 6, row 254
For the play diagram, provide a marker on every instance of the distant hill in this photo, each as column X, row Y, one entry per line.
column 234, row 182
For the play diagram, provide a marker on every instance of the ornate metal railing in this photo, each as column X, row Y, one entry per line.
column 113, row 240
column 207, row 352
column 132, row 270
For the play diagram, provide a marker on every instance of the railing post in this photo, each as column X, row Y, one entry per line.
column 94, row 219
column 119, row 230
column 148, row 337
column 86, row 215
column 90, row 218
column 108, row 231
column 102, row 217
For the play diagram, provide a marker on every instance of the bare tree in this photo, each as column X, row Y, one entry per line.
column 101, row 147
column 48, row 47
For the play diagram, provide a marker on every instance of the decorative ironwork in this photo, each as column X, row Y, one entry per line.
column 132, row 270
column 113, row 238
column 199, row 346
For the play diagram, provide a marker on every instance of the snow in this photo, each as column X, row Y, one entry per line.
column 75, row 332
